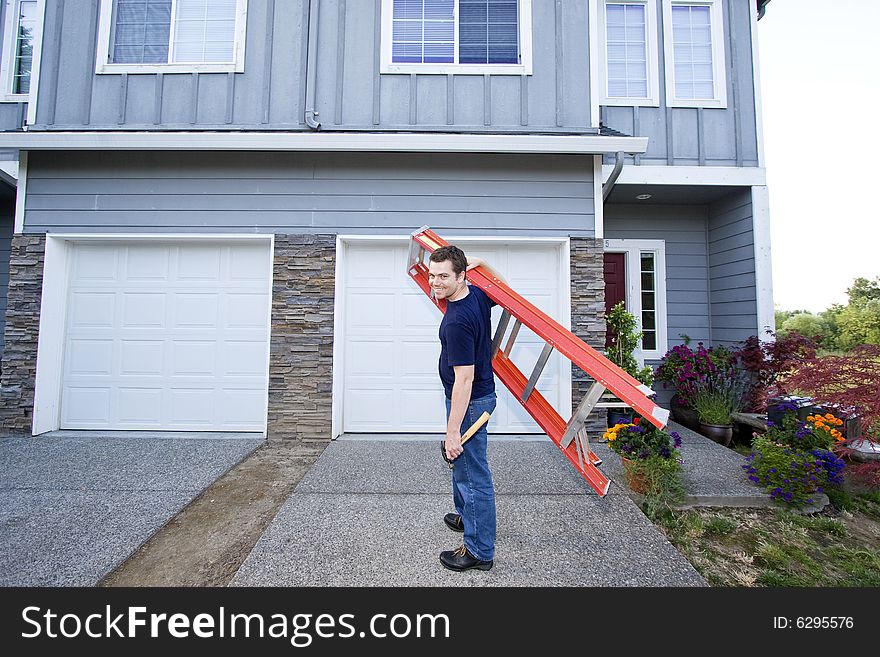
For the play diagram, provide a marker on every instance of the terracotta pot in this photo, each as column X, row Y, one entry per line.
column 720, row 433
column 636, row 480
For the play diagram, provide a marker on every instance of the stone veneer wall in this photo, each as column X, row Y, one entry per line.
column 301, row 357
column 19, row 367
column 587, row 317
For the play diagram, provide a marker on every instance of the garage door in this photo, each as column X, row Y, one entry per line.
column 391, row 344
column 167, row 336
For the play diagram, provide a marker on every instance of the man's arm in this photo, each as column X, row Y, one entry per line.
column 461, row 397
column 479, row 262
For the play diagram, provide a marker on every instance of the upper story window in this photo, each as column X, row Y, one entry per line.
column 171, row 36
column 694, row 52
column 456, row 36
column 19, row 41
column 629, row 41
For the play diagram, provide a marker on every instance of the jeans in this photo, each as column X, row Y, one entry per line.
column 472, row 489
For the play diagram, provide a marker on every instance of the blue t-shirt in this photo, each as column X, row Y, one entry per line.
column 466, row 339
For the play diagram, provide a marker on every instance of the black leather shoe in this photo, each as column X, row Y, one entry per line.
column 453, row 521
column 462, row 559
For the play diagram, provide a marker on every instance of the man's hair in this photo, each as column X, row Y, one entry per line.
column 452, row 253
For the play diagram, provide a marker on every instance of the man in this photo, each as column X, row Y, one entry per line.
column 466, row 372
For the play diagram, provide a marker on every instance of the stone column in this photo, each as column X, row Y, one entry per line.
column 587, row 316
column 301, row 357
column 19, row 366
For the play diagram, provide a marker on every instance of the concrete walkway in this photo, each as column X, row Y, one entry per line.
column 74, row 505
column 369, row 513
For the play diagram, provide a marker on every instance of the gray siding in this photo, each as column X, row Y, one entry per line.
column 734, row 311
column 697, row 137
column 7, row 217
column 687, row 272
column 12, row 115
column 308, row 193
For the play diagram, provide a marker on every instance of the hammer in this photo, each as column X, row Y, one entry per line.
column 467, row 435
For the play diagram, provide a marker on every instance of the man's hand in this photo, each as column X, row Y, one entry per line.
column 453, row 445
column 474, row 262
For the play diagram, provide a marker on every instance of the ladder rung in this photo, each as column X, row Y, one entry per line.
column 499, row 332
column 513, row 333
column 580, row 415
column 536, row 373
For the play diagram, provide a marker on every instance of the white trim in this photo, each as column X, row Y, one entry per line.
column 36, row 64
column 718, row 55
column 342, row 243
column 525, row 47
column 682, row 175
column 9, row 172
column 323, row 141
column 7, row 57
column 102, row 55
column 598, row 201
column 652, row 56
column 269, row 330
column 763, row 262
column 567, row 370
column 53, row 310
column 632, row 249
column 50, row 345
column 20, row 192
column 756, row 86
column 595, row 115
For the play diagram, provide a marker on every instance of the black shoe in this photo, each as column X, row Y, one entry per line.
column 462, row 559
column 453, row 521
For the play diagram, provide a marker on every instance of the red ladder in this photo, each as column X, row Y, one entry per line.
column 571, row 437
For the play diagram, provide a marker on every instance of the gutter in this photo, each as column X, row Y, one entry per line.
column 311, row 66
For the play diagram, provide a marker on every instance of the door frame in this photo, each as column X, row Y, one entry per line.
column 563, row 246
column 53, row 311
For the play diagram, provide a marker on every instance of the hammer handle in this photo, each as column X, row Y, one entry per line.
column 475, row 427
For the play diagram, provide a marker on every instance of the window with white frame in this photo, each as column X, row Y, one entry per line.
column 447, row 36
column 645, row 291
column 171, row 36
column 694, row 49
column 629, row 41
column 20, row 39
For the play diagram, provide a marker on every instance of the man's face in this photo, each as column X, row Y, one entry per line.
column 443, row 280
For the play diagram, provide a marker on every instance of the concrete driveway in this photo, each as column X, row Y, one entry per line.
column 74, row 504
column 369, row 513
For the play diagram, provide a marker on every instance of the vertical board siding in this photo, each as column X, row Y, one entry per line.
column 732, row 268
column 309, row 192
column 721, row 137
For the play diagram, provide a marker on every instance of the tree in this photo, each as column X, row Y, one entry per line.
column 806, row 324
column 859, row 323
column 863, row 290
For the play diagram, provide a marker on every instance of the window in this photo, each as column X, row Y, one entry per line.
column 20, row 37
column 628, row 37
column 645, row 291
column 694, row 48
column 148, row 36
column 456, row 36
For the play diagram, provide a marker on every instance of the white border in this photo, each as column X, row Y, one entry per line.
column 756, row 86
column 102, row 56
column 53, row 312
column 763, row 261
column 653, row 57
column 685, row 175
column 632, row 248
column 718, row 55
column 342, row 243
column 20, row 192
column 36, row 65
column 402, row 142
column 525, row 41
column 7, row 57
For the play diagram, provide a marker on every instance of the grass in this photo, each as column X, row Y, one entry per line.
column 773, row 547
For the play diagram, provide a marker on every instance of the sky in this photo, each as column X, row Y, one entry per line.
column 820, row 82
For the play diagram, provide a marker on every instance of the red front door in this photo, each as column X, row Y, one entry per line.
column 615, row 284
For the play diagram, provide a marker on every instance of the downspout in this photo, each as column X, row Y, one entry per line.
column 615, row 174
column 311, row 66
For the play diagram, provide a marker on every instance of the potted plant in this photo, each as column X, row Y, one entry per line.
column 684, row 368
column 624, row 341
column 716, row 396
column 649, row 454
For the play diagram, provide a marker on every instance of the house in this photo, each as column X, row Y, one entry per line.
column 208, row 204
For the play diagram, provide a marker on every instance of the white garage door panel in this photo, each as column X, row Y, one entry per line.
column 167, row 336
column 392, row 346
